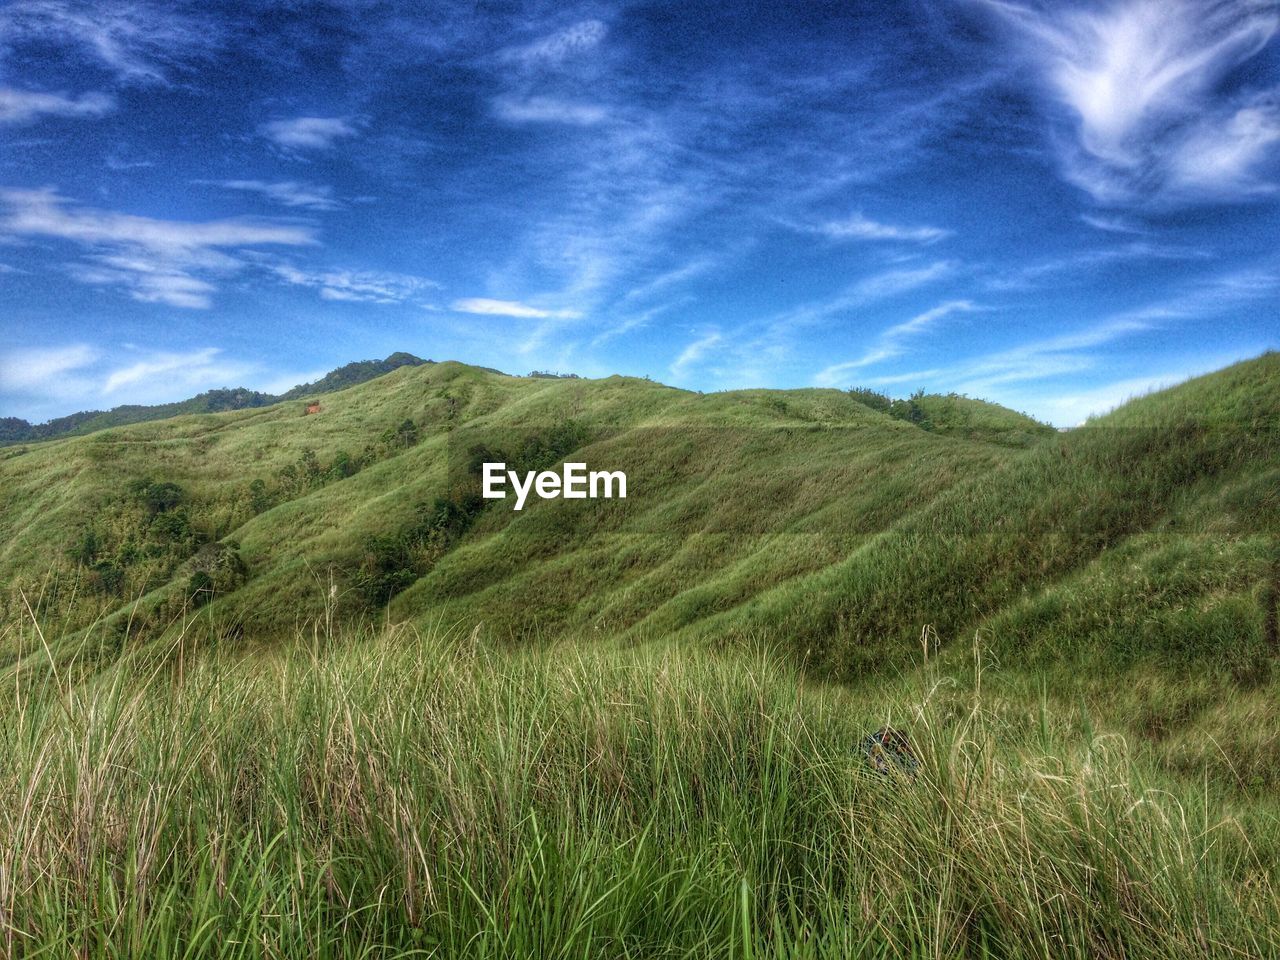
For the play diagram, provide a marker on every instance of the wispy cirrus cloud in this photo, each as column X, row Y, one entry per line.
column 156, row 261
column 1112, row 223
column 545, row 109
column 655, row 159
column 869, row 289
column 198, row 367
column 859, row 227
column 44, row 212
column 287, row 193
column 308, row 133
column 694, row 352
column 1086, row 263
column 509, row 308
column 554, row 48
column 1140, row 81
column 1074, row 407
column 761, row 346
column 357, row 286
column 892, row 342
column 25, row 106
column 37, row 382
column 140, row 42
column 1016, row 376
column 146, row 279
column 28, row 369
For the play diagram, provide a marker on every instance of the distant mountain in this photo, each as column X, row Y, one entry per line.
column 15, row 430
column 348, row 376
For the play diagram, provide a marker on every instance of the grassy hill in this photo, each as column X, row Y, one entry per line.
column 753, row 488
column 803, row 513
column 15, row 430
column 1142, row 545
column 437, row 703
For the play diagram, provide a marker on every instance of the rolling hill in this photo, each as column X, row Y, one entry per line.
column 284, row 684
column 15, row 430
column 805, row 515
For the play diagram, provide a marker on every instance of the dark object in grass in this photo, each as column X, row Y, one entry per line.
column 889, row 752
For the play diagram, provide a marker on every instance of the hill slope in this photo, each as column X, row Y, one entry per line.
column 14, row 430
column 695, row 794
column 802, row 515
column 125, row 512
column 1129, row 569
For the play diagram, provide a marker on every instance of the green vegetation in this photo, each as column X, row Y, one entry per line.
column 14, row 430
column 231, row 635
column 402, row 795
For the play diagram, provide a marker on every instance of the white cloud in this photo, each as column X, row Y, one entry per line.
column 1033, row 274
column 1112, row 223
column 287, row 193
column 893, row 282
column 140, row 42
column 283, row 383
column 307, row 133
column 548, row 110
column 45, row 213
column 877, row 286
column 1072, row 409
column 357, row 286
column 1011, row 376
column 43, row 382
column 155, row 260
column 858, row 227
column 157, row 364
column 1221, row 158
column 509, row 308
column 1140, row 80
column 114, row 161
column 693, row 353
column 147, row 281
column 889, row 344
column 557, row 47
column 28, row 370
column 24, row 106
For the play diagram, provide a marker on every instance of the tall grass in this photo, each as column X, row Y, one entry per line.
column 398, row 795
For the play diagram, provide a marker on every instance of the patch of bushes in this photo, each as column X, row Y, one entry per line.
column 216, row 568
column 391, row 562
column 309, row 472
column 908, row 410
column 136, row 541
column 158, row 496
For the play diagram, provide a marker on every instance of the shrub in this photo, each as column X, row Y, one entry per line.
column 159, row 497
column 871, row 398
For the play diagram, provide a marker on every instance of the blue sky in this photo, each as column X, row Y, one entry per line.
column 1054, row 206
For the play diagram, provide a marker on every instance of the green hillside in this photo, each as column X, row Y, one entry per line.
column 803, row 514
column 300, row 657
column 14, row 430
column 750, row 489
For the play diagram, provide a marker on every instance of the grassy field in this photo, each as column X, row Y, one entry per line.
column 395, row 794
column 281, row 685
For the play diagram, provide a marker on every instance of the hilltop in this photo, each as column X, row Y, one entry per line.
column 14, row 430
column 299, row 656
column 837, row 528
column 841, row 526
column 129, row 511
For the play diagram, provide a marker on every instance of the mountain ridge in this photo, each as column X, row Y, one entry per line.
column 15, row 430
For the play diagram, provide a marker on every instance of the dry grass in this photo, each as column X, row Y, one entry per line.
column 397, row 795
